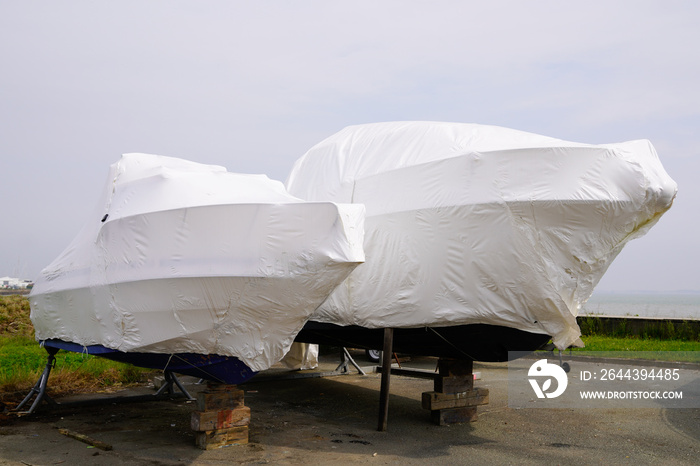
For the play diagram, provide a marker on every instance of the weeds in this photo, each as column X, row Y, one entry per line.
column 14, row 316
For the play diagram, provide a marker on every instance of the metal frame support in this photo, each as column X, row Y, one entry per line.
column 346, row 359
column 40, row 387
column 170, row 379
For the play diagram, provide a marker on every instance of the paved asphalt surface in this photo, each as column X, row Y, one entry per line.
column 333, row 420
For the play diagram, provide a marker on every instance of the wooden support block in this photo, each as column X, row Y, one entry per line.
column 436, row 400
column 224, row 419
column 443, row 417
column 454, row 384
column 219, row 400
column 455, row 399
column 213, row 439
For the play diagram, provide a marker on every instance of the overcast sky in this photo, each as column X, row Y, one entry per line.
column 252, row 85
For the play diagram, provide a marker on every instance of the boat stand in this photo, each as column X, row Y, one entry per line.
column 345, row 361
column 170, row 380
column 168, row 388
column 40, row 388
column 564, row 365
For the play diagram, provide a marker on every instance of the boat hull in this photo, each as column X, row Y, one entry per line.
column 212, row 367
column 477, row 342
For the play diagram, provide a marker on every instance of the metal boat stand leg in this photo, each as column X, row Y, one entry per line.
column 40, row 388
column 346, row 359
column 564, row 365
column 170, row 379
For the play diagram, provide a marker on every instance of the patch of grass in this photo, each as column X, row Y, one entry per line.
column 641, row 339
column 635, row 348
column 14, row 316
column 598, row 346
column 645, row 328
column 22, row 361
column 605, row 343
column 640, row 348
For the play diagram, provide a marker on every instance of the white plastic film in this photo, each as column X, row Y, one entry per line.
column 480, row 224
column 185, row 257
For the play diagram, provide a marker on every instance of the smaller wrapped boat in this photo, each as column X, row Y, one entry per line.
column 190, row 268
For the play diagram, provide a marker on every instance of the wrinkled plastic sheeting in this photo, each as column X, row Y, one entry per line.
column 185, row 257
column 480, row 224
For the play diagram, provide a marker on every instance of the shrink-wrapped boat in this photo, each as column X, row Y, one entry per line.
column 187, row 266
column 478, row 239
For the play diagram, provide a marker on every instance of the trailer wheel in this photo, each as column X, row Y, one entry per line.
column 373, row 355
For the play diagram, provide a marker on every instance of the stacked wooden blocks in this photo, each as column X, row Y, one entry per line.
column 455, row 399
column 221, row 418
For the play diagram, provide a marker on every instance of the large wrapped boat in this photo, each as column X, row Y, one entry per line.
column 479, row 240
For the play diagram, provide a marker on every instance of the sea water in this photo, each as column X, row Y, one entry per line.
column 680, row 305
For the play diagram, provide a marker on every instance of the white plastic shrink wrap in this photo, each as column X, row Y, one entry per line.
column 480, row 224
column 185, row 257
